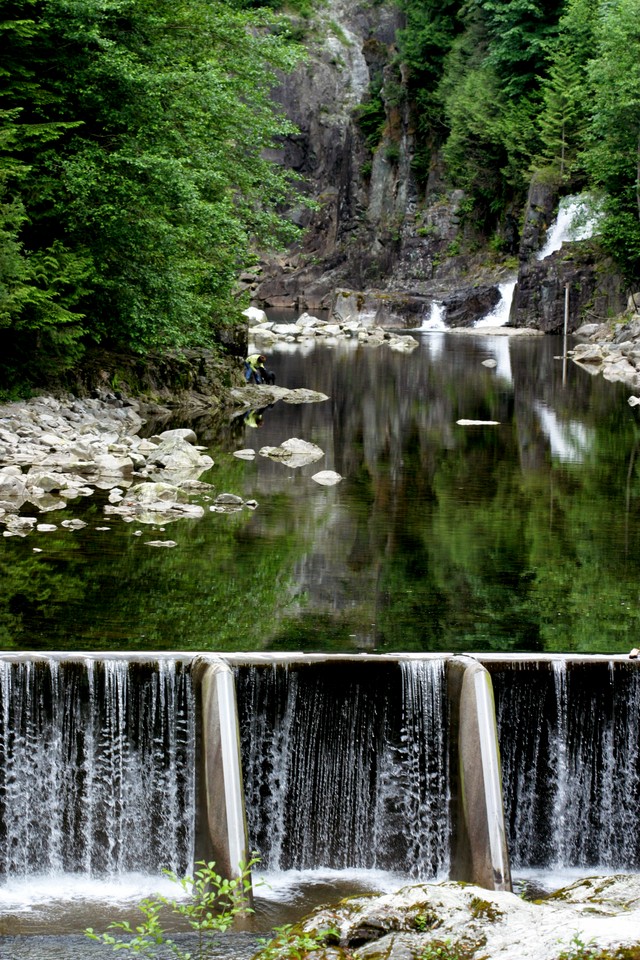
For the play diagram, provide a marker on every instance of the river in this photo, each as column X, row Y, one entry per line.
column 520, row 535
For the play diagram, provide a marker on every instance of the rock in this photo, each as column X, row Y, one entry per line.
column 46, row 527
column 255, row 315
column 327, row 478
column 491, row 363
column 182, row 433
column 466, row 920
column 294, row 452
column 478, row 423
column 247, row 454
column 307, row 322
column 12, row 485
column 160, row 543
column 230, row 499
column 469, row 304
column 403, row 344
column 302, row 395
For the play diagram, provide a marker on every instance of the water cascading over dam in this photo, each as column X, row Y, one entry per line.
column 97, row 760
column 348, row 765
column 569, row 733
column 122, row 763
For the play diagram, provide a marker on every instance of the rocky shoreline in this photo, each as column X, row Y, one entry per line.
column 611, row 349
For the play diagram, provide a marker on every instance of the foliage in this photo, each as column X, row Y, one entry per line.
column 133, row 177
column 211, row 906
column 504, row 89
column 292, row 943
column 564, row 116
column 612, row 156
column 578, row 950
column 447, row 950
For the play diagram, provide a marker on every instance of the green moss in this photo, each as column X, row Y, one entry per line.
column 484, row 909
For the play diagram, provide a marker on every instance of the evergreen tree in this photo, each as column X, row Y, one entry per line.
column 564, row 117
column 612, row 156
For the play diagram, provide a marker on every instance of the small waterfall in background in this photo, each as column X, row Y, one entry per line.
column 435, row 320
column 577, row 219
column 499, row 316
column 97, row 767
column 570, row 746
column 347, row 766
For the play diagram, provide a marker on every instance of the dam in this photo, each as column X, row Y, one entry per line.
column 433, row 766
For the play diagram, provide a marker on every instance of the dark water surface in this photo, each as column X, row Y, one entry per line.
column 518, row 536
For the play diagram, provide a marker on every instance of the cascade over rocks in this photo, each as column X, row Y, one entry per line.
column 395, row 244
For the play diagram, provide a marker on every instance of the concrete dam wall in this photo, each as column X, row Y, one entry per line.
column 431, row 766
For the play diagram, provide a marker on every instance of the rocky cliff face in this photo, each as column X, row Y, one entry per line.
column 379, row 232
column 577, row 277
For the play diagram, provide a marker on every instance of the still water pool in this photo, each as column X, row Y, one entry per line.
column 518, row 536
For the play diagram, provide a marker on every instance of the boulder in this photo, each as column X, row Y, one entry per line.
column 294, row 452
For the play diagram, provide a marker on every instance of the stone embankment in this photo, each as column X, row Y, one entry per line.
column 53, row 452
column 611, row 349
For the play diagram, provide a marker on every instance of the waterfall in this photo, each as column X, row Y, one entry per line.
column 435, row 320
column 499, row 316
column 96, row 766
column 347, row 767
column 577, row 219
column 570, row 745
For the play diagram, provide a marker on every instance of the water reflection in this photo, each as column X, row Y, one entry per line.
column 518, row 536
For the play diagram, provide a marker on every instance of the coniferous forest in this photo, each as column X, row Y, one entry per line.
column 135, row 180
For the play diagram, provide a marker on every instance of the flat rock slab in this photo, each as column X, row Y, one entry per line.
column 496, row 331
column 262, row 395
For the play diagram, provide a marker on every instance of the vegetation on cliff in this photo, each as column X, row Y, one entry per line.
column 511, row 89
column 133, row 177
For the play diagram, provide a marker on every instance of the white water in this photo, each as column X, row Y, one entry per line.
column 572, row 773
column 435, row 320
column 576, row 220
column 499, row 316
column 380, row 738
column 96, row 768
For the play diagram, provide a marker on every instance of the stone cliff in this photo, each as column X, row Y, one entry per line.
column 378, row 231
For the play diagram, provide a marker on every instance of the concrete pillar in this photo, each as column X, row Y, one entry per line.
column 480, row 853
column 221, row 828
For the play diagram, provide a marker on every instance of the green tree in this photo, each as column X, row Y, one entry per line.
column 134, row 169
column 211, row 905
column 612, row 156
column 564, row 117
